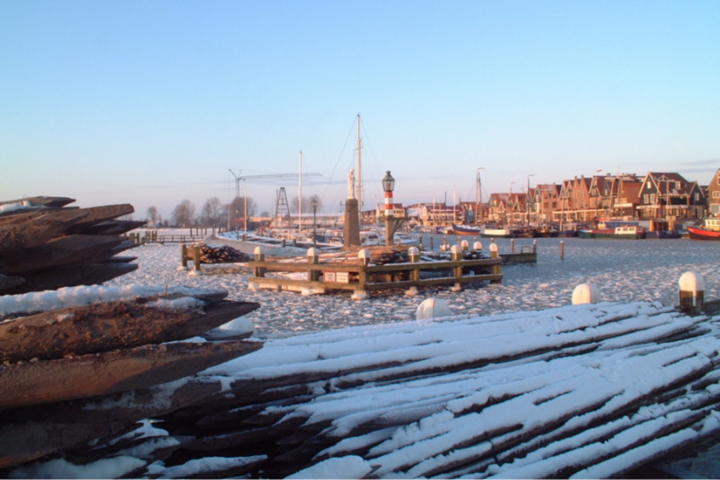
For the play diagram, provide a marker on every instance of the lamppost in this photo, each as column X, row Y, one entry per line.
column 314, row 204
column 388, row 184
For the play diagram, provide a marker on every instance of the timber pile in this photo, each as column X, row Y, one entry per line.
column 45, row 246
column 584, row 391
column 74, row 374
column 222, row 254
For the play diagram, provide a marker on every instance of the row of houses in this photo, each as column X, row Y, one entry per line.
column 658, row 196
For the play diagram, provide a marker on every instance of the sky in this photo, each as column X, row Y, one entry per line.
column 151, row 103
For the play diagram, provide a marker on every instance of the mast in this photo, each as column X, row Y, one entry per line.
column 359, row 168
column 300, row 196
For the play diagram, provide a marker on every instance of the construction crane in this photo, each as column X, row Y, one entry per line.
column 239, row 178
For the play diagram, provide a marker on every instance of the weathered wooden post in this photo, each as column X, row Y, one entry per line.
column 534, row 249
column 259, row 256
column 361, row 293
column 196, row 260
column 456, row 256
column 445, row 244
column 282, row 243
column 494, row 254
column 183, row 257
column 562, row 250
column 692, row 293
column 432, row 242
column 465, row 245
column 585, row 293
column 414, row 254
column 512, row 245
column 313, row 256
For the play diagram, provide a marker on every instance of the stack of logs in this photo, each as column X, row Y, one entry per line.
column 65, row 372
column 221, row 254
column 45, row 246
column 72, row 370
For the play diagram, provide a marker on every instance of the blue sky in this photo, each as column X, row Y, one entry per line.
column 152, row 102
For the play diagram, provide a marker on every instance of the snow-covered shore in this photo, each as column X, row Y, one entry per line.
column 622, row 270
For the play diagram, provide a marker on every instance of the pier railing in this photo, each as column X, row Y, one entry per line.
column 361, row 276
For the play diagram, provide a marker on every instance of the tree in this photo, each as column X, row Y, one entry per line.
column 212, row 212
column 183, row 214
column 236, row 211
column 306, row 204
column 153, row 216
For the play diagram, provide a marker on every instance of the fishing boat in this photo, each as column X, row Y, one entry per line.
column 710, row 230
column 627, row 232
column 466, row 230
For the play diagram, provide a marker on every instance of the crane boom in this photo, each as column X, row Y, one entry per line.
column 239, row 178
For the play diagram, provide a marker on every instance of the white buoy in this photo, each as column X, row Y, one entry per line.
column 692, row 293
column 585, row 293
column 432, row 308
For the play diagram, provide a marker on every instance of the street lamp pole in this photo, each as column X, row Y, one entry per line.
column 388, row 185
column 314, row 204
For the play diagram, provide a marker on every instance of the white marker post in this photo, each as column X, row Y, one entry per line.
column 692, row 293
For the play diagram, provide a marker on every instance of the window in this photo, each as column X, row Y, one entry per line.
column 716, row 194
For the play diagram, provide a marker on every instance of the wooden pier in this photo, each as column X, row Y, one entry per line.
column 361, row 277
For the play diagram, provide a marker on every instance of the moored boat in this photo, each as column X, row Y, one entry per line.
column 466, row 230
column 710, row 230
column 628, row 232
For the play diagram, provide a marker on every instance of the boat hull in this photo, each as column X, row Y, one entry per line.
column 465, row 230
column 697, row 233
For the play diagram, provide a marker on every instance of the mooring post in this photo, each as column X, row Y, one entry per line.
column 494, row 254
column 183, row 257
column 512, row 245
column 432, row 243
column 534, row 247
column 585, row 293
column 445, row 244
column 414, row 254
column 196, row 260
column 313, row 255
column 456, row 256
column 562, row 250
column 692, row 293
column 477, row 246
column 259, row 256
column 465, row 245
column 361, row 293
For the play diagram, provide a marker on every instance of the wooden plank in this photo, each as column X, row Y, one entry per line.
column 42, row 201
column 27, row 230
column 108, row 326
column 71, row 275
column 64, row 250
column 96, row 215
column 32, row 383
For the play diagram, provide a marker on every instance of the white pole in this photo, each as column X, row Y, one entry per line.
column 300, row 196
column 359, row 170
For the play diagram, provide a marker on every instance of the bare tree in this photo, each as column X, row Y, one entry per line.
column 212, row 212
column 153, row 216
column 184, row 214
column 306, row 204
column 237, row 210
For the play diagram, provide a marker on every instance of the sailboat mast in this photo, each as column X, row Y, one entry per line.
column 300, row 196
column 359, row 168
